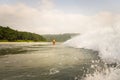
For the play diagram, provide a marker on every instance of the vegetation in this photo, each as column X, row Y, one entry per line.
column 60, row 37
column 8, row 34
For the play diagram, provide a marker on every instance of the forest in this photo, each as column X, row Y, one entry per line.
column 8, row 34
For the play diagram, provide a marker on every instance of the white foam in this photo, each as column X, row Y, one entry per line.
column 109, row 74
column 106, row 41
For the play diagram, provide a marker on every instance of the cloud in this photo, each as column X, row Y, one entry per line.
column 47, row 19
column 46, row 4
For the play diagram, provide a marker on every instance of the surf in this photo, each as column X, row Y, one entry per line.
column 107, row 42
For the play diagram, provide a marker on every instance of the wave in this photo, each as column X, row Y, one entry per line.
column 107, row 42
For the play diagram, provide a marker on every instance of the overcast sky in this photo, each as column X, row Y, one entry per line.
column 59, row 16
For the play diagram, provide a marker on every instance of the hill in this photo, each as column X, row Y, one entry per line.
column 60, row 37
column 8, row 34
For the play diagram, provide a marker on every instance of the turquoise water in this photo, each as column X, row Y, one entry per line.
column 43, row 61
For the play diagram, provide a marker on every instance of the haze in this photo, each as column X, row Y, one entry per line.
column 59, row 16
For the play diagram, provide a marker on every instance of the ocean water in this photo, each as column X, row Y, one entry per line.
column 43, row 61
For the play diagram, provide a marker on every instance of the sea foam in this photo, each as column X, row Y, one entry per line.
column 106, row 41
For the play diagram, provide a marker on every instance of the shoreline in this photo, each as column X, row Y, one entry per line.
column 24, row 42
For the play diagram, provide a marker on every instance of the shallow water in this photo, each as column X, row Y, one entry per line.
column 43, row 61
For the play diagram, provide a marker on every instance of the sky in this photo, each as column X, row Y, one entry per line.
column 59, row 16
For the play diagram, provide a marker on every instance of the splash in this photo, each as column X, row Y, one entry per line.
column 107, row 42
column 109, row 74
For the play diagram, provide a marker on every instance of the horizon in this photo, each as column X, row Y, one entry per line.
column 41, row 33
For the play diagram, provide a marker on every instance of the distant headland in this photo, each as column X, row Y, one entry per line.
column 8, row 34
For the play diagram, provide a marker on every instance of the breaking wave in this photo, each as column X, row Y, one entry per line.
column 107, row 42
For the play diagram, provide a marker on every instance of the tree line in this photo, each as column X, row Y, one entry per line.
column 6, row 33
column 60, row 37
